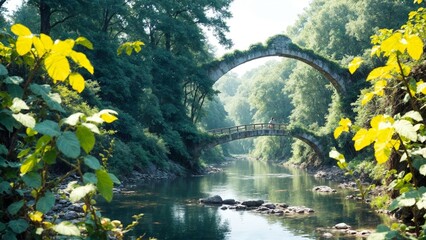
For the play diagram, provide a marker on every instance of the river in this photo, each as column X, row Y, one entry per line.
column 171, row 209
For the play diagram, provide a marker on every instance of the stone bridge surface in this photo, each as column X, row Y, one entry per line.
column 225, row 135
column 282, row 46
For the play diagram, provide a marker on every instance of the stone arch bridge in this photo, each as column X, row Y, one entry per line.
column 282, row 46
column 224, row 135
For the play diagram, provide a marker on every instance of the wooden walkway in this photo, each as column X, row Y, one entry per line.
column 249, row 127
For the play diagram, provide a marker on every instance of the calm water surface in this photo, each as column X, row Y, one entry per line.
column 171, row 209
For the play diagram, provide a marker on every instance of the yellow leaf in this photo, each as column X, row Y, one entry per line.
column 84, row 42
column 344, row 125
column 47, row 41
column 375, row 51
column 39, row 47
column 362, row 139
column 137, row 45
column 379, row 86
column 42, row 44
column 57, row 67
column 384, row 135
column 366, row 98
column 23, row 44
column 354, row 64
column 81, row 59
column 378, row 121
column 421, row 87
column 338, row 131
column 108, row 115
column 30, row 132
column 77, row 82
column 393, row 43
column 28, row 164
column 345, row 122
column 394, row 144
column 412, row 14
column 381, row 73
column 381, row 152
column 36, row 216
column 63, row 47
column 414, row 46
column 20, row 30
column 109, row 118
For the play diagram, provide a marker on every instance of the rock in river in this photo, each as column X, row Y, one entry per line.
column 212, row 200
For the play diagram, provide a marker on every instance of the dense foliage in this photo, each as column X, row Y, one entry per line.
column 396, row 136
column 159, row 93
column 37, row 133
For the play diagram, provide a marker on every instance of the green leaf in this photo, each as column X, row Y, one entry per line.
column 53, row 101
column 73, row 119
column 3, row 150
column 45, row 203
column 405, row 129
column 8, row 121
column 68, row 144
column 86, row 138
column 3, row 70
column 49, row 128
column 25, row 119
column 9, row 236
column 14, row 208
column 66, row 228
column 40, row 90
column 114, row 178
column 90, row 178
column 43, row 141
column 18, row 226
column 80, row 192
column 50, row 157
column 32, row 179
column 24, row 153
column 14, row 80
column 105, row 184
column 92, row 162
column 15, row 91
column 4, row 187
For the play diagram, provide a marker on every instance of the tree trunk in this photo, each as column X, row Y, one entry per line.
column 45, row 13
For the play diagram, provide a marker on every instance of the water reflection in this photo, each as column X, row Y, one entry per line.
column 171, row 209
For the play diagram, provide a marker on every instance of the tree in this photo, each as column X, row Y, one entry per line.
column 36, row 134
column 397, row 139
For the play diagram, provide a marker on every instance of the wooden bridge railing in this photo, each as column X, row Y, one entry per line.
column 249, row 127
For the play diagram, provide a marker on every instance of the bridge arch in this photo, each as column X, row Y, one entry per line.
column 282, row 46
column 224, row 135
